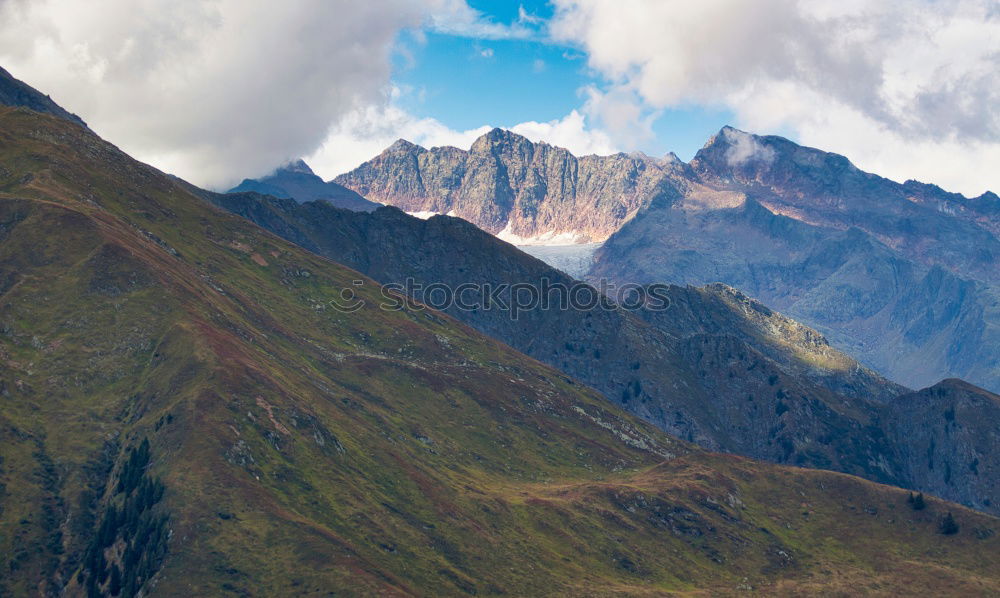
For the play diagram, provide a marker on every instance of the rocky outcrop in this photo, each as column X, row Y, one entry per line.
column 951, row 431
column 507, row 184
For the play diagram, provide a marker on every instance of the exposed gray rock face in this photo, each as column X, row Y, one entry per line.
column 297, row 181
column 716, row 367
column 905, row 277
column 826, row 190
column 507, row 183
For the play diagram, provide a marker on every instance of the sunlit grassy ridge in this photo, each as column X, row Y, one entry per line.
column 310, row 451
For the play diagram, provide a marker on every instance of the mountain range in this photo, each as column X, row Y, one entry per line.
column 903, row 276
column 512, row 187
column 186, row 413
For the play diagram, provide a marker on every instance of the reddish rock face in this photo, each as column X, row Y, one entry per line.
column 507, row 183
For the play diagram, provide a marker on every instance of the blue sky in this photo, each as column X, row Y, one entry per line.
column 464, row 82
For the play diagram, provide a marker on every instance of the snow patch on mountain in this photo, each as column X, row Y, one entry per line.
column 546, row 238
column 574, row 260
column 423, row 214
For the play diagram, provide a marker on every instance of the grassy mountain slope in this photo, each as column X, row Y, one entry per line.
column 717, row 367
column 308, row 451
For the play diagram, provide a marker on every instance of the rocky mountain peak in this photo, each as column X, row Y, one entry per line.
column 732, row 148
column 296, row 180
column 402, row 146
column 498, row 138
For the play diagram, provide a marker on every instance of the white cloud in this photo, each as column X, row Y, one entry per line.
column 523, row 16
column 366, row 131
column 456, row 17
column 622, row 114
column 214, row 91
column 920, row 80
column 744, row 148
column 208, row 90
column 571, row 132
column 967, row 166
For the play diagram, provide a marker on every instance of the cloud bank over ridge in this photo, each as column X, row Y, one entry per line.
column 906, row 88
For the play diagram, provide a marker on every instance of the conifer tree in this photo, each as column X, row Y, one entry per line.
column 115, row 584
column 948, row 525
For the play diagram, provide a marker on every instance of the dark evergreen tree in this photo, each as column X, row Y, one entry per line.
column 92, row 590
column 918, row 502
column 102, row 571
column 115, row 585
column 948, row 525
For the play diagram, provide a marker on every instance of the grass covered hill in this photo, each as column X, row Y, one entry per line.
column 182, row 413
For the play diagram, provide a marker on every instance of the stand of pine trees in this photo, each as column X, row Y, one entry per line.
column 130, row 517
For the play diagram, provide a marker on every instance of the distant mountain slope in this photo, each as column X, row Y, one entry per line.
column 508, row 185
column 716, row 367
column 294, row 449
column 299, row 182
column 14, row 92
column 826, row 190
column 910, row 289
